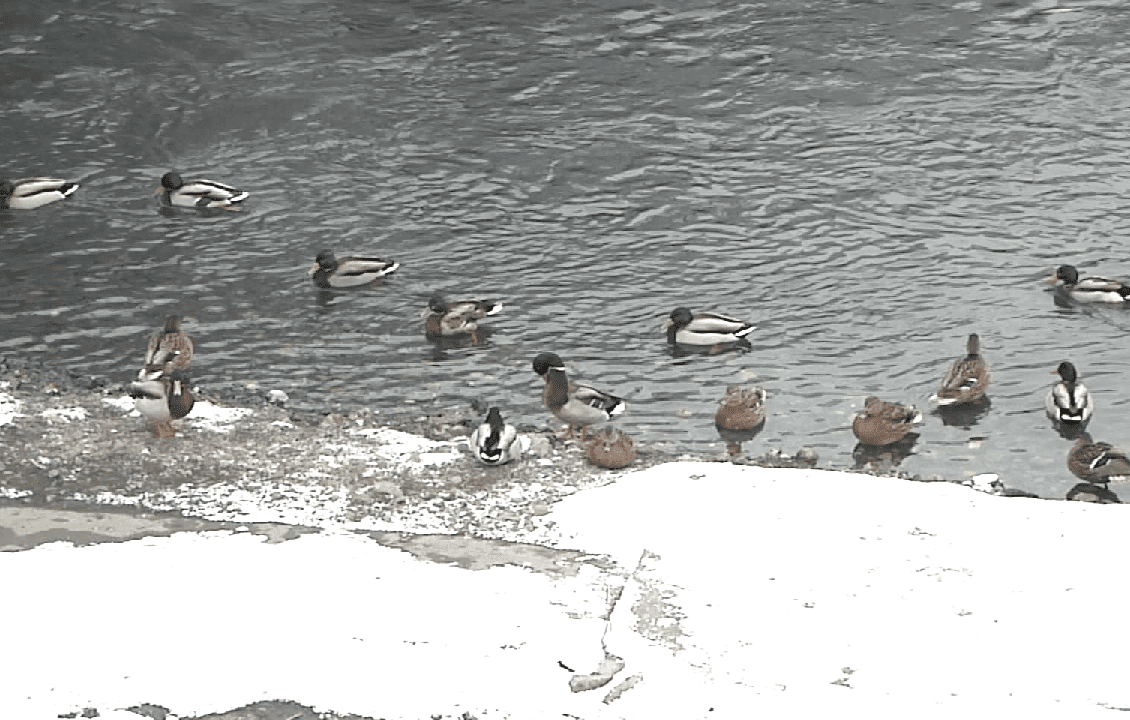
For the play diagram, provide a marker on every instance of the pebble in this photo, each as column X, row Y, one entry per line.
column 277, row 397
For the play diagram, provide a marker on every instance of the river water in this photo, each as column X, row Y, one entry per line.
column 867, row 181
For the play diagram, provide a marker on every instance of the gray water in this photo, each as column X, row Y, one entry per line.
column 867, row 181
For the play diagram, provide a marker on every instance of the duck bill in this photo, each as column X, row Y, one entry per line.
column 313, row 269
column 1051, row 279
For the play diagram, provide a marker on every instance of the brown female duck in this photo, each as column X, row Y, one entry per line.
column 967, row 379
column 883, row 423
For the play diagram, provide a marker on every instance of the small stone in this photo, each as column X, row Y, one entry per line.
column 277, row 397
column 807, row 455
column 540, row 446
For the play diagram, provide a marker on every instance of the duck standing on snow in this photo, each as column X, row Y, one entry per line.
column 332, row 272
column 705, row 329
column 1092, row 289
column 495, row 442
column 31, row 193
column 967, row 379
column 884, row 423
column 461, row 317
column 575, row 404
column 170, row 348
column 198, row 194
column 1069, row 402
column 742, row 408
column 162, row 398
column 1097, row 462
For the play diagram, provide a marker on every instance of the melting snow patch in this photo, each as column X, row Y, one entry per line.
column 123, row 403
column 207, row 416
column 66, row 414
column 408, row 450
column 9, row 408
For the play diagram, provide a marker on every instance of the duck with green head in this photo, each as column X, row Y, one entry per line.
column 31, row 193
column 578, row 405
column 1090, row 289
column 199, row 194
column 330, row 271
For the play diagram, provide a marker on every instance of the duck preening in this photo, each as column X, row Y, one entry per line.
column 610, row 448
column 1091, row 289
column 1097, row 462
column 457, row 318
column 329, row 271
column 31, row 193
column 198, row 194
column 495, row 442
column 162, row 398
column 578, row 405
column 170, row 348
column 967, row 379
column 742, row 408
column 1069, row 402
column 884, row 423
column 705, row 329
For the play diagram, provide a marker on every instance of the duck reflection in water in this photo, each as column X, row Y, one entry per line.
column 965, row 415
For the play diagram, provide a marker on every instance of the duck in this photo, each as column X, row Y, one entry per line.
column 1097, row 462
column 329, row 271
column 704, row 328
column 198, row 193
column 967, row 379
column 30, row 193
column 578, row 405
column 461, row 317
column 170, row 348
column 1092, row 289
column 884, row 423
column 163, row 397
column 495, row 442
column 610, row 449
column 1069, row 402
column 742, row 408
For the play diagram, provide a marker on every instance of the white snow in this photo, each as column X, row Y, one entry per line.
column 746, row 592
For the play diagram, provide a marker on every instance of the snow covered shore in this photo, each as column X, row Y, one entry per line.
column 709, row 591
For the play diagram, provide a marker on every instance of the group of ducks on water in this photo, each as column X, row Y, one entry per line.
column 162, row 393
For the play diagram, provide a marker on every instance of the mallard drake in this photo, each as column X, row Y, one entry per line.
column 163, row 398
column 610, row 448
column 884, row 423
column 1069, row 402
column 1092, row 289
column 705, row 328
column 742, row 408
column 198, row 193
column 494, row 442
column 1097, row 462
column 575, row 404
column 31, row 193
column 331, row 272
column 170, row 348
column 967, row 379
column 444, row 319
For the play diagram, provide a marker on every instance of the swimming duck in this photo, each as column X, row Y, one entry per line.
column 170, row 348
column 495, row 442
column 705, row 328
column 162, row 398
column 331, row 272
column 884, row 423
column 1092, row 289
column 31, row 193
column 1069, row 402
column 575, row 404
column 1097, row 462
column 967, row 379
column 610, row 448
column 198, row 193
column 742, row 408
column 444, row 319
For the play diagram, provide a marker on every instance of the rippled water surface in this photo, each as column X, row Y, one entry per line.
column 868, row 181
